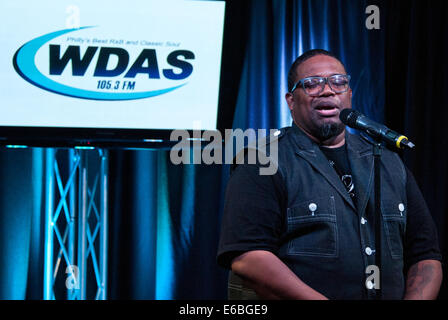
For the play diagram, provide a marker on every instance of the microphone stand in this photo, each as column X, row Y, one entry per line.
column 377, row 150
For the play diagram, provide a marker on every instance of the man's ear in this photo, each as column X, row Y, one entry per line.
column 290, row 100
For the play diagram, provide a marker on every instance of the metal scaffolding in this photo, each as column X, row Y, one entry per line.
column 76, row 224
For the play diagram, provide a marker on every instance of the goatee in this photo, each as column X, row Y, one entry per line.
column 329, row 130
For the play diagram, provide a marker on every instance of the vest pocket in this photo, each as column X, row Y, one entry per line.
column 312, row 228
column 394, row 223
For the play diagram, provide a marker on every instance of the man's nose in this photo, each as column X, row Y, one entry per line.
column 327, row 91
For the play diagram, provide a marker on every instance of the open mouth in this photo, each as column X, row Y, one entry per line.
column 329, row 110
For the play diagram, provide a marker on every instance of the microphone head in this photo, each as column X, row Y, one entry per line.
column 349, row 117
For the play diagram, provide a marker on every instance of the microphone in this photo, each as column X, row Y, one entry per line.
column 356, row 120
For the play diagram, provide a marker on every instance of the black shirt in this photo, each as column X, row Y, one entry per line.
column 337, row 157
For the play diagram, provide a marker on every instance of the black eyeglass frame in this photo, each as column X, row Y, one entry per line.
column 301, row 83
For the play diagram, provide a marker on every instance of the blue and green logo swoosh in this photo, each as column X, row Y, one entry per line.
column 24, row 64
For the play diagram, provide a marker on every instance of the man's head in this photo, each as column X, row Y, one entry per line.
column 315, row 103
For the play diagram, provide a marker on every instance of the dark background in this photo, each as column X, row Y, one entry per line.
column 416, row 104
column 165, row 219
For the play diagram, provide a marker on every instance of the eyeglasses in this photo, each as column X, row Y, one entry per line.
column 313, row 86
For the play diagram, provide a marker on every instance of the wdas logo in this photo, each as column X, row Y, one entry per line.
column 102, row 68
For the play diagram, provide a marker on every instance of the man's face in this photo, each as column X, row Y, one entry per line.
column 318, row 115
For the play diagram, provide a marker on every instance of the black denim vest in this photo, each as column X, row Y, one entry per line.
column 328, row 240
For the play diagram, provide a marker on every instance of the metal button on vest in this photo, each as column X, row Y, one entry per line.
column 312, row 207
column 401, row 208
column 363, row 221
column 368, row 251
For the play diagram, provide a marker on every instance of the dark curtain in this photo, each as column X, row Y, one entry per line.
column 416, row 103
column 165, row 219
column 279, row 31
column 21, row 223
column 165, row 222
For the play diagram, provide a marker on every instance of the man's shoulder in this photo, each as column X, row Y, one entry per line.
column 261, row 150
column 274, row 136
column 360, row 142
column 356, row 141
column 364, row 146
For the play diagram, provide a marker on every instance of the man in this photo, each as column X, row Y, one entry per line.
column 306, row 232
